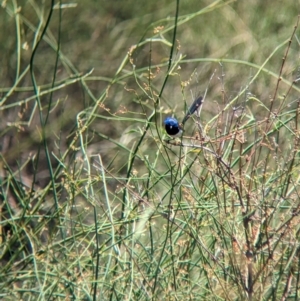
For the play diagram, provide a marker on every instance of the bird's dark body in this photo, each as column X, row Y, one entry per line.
column 173, row 127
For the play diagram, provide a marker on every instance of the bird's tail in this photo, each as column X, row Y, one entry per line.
column 193, row 108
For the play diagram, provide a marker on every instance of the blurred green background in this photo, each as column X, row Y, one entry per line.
column 96, row 35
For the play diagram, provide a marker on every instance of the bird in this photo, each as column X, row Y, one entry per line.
column 173, row 127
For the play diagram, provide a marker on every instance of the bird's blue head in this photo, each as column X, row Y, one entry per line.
column 172, row 126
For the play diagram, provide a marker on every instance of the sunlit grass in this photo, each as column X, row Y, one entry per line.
column 98, row 203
